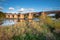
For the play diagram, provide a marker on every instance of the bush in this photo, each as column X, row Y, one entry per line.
column 30, row 36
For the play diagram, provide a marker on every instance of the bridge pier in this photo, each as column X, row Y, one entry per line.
column 15, row 16
column 21, row 17
column 30, row 17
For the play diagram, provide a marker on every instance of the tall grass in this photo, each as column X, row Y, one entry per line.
column 30, row 30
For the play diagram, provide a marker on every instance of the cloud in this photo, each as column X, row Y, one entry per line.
column 1, row 8
column 11, row 8
column 46, row 9
column 26, row 10
column 21, row 10
column 31, row 9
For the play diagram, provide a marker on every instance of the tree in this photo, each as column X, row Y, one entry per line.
column 57, row 15
column 2, row 15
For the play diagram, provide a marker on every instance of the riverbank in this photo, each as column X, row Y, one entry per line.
column 31, row 30
column 27, row 31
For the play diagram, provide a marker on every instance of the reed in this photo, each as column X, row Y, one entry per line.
column 26, row 30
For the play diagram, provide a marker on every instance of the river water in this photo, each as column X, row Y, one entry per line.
column 7, row 22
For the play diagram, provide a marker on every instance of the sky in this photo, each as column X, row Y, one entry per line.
column 29, row 5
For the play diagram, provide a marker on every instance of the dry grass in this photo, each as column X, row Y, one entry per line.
column 28, row 29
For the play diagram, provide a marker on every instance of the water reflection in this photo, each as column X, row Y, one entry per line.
column 13, row 21
column 36, row 19
column 8, row 22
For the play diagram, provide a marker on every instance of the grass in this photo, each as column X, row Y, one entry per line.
column 42, row 30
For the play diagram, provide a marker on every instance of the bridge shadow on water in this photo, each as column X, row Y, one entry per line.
column 14, row 21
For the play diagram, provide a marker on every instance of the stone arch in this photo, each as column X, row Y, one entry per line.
column 7, row 16
column 13, row 15
column 18, row 16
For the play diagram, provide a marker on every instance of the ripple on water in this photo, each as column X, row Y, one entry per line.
column 8, row 22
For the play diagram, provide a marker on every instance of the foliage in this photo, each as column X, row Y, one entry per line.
column 30, row 36
column 57, row 24
column 2, row 15
column 57, row 15
column 33, row 30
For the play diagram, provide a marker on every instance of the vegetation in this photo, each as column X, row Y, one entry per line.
column 57, row 15
column 2, row 15
column 45, row 29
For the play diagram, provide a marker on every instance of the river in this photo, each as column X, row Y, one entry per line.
column 7, row 22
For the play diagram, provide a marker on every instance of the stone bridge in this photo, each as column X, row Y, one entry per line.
column 29, row 15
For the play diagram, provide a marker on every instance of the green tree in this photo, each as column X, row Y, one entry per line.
column 57, row 15
column 2, row 15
